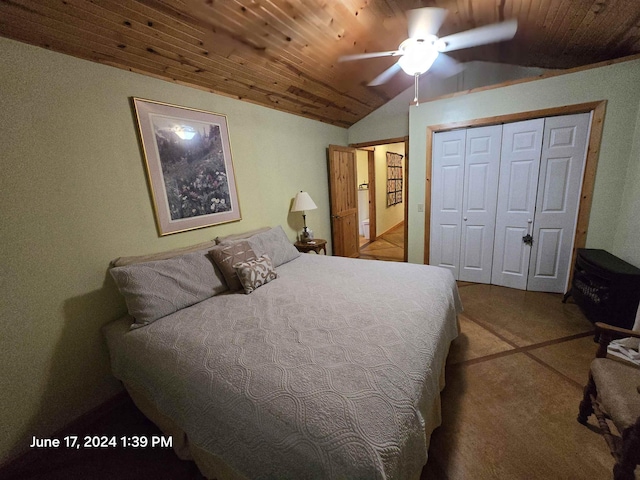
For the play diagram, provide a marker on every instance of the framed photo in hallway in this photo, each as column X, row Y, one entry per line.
column 187, row 154
column 394, row 178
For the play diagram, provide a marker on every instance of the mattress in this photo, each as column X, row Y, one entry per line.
column 333, row 370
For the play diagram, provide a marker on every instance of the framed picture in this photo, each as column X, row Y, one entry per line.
column 189, row 166
column 394, row 178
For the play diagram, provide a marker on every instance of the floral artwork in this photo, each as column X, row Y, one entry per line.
column 188, row 158
column 193, row 169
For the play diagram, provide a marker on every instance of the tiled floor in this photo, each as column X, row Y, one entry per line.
column 514, row 381
column 389, row 246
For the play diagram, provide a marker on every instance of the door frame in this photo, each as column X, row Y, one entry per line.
column 373, row 143
column 591, row 163
column 371, row 192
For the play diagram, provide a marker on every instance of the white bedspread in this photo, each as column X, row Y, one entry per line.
column 326, row 372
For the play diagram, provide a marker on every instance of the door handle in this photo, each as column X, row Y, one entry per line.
column 528, row 239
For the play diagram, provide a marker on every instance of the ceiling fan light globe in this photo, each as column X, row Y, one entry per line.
column 418, row 62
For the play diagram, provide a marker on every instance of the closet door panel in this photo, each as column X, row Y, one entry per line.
column 481, row 172
column 547, row 252
column 513, row 252
column 451, row 192
column 522, row 177
column 446, row 199
column 447, row 252
column 559, row 186
column 472, row 255
column 520, row 162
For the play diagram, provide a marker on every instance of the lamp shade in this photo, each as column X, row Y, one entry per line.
column 302, row 202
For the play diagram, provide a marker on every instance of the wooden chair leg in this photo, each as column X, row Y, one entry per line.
column 586, row 409
column 629, row 454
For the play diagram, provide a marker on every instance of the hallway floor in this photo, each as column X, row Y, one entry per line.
column 389, row 246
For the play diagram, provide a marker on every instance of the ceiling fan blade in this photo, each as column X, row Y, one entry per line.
column 496, row 32
column 362, row 56
column 385, row 76
column 445, row 67
column 423, row 22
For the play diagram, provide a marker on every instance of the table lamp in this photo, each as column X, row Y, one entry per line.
column 301, row 203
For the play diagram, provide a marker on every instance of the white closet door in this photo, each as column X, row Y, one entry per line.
column 520, row 162
column 559, row 186
column 481, row 171
column 446, row 199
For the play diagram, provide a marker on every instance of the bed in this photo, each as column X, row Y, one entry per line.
column 332, row 369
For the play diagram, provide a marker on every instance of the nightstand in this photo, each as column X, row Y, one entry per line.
column 314, row 245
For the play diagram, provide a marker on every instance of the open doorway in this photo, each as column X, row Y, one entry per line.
column 382, row 171
column 366, row 175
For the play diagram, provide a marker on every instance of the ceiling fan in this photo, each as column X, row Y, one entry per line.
column 419, row 52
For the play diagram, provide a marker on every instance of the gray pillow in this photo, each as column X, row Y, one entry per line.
column 227, row 255
column 240, row 236
column 152, row 257
column 275, row 244
column 255, row 273
column 155, row 289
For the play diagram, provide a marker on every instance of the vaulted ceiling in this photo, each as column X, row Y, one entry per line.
column 283, row 53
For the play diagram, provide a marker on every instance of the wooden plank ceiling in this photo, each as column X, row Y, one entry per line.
column 283, row 53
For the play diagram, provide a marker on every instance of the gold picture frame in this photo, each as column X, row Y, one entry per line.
column 187, row 154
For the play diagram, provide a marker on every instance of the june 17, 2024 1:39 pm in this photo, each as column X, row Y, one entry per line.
column 104, row 441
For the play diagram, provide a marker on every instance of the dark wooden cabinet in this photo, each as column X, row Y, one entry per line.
column 605, row 287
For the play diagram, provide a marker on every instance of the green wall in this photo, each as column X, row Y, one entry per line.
column 627, row 238
column 74, row 196
column 618, row 84
column 614, row 223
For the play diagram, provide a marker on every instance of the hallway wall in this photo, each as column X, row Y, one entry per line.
column 387, row 217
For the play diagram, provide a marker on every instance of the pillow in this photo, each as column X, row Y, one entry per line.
column 227, row 255
column 275, row 244
column 255, row 273
column 122, row 261
column 240, row 236
column 155, row 289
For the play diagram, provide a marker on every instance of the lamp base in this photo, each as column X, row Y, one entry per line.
column 306, row 235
